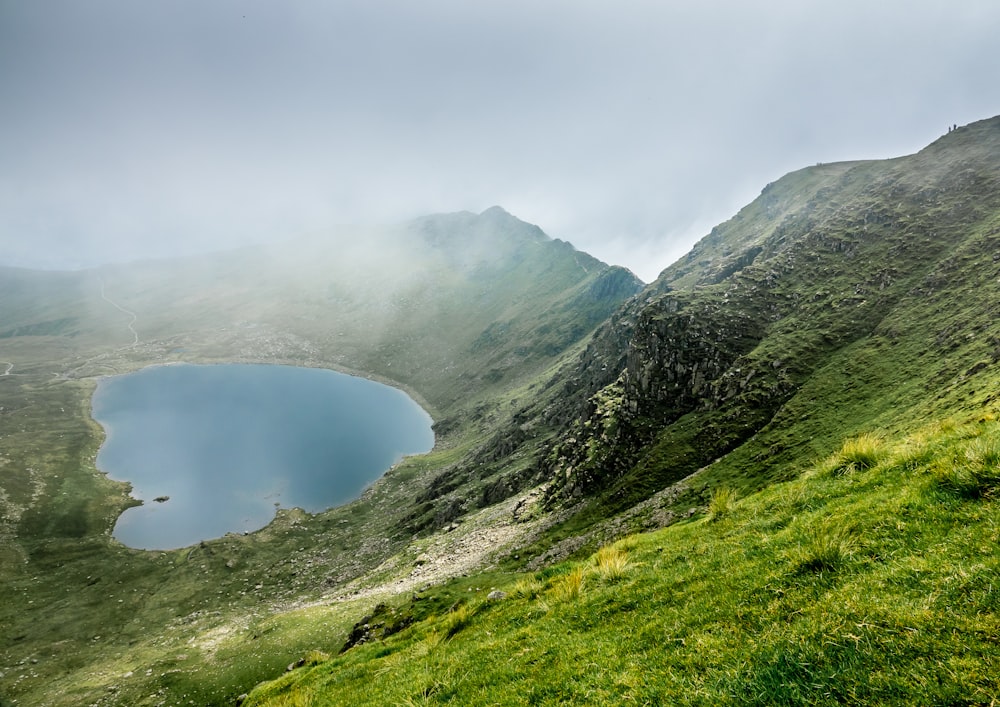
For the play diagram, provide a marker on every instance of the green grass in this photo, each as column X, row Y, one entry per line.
column 568, row 586
column 468, row 327
column 824, row 549
column 847, row 299
column 874, row 588
column 721, row 502
column 612, row 563
column 860, row 453
column 971, row 472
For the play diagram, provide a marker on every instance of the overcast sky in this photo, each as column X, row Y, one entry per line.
column 629, row 128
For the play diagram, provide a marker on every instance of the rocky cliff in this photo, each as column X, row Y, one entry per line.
column 827, row 257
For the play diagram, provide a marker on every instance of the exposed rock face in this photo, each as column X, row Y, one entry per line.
column 679, row 351
column 707, row 355
column 382, row 622
column 446, row 496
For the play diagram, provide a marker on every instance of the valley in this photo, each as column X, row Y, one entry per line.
column 59, row 510
column 770, row 476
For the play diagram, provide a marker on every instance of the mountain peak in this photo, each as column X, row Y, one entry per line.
column 498, row 216
column 495, row 211
column 494, row 227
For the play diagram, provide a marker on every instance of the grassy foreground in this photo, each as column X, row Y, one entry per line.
column 873, row 577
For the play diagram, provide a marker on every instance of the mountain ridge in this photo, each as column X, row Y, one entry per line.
column 849, row 301
column 700, row 343
column 821, row 378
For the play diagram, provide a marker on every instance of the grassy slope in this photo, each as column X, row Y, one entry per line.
column 872, row 579
column 86, row 620
column 916, row 362
column 867, row 302
column 867, row 352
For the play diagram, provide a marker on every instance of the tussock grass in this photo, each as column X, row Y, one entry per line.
column 611, row 563
column 824, row 550
column 859, row 454
column 972, row 470
column 916, row 452
column 569, row 586
column 851, row 589
column 628, row 543
column 527, row 588
column 427, row 646
column 721, row 503
column 459, row 618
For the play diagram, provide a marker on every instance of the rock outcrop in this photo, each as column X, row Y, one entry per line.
column 709, row 353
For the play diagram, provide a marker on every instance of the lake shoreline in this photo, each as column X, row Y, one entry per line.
column 299, row 446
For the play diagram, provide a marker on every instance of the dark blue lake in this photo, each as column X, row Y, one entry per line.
column 227, row 444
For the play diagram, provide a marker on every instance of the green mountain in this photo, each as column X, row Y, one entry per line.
column 464, row 311
column 820, row 374
column 799, row 416
column 846, row 298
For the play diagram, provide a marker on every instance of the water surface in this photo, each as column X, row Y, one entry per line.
column 221, row 446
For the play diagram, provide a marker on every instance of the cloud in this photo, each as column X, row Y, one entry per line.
column 628, row 129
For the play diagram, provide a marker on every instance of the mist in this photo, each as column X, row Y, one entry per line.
column 137, row 130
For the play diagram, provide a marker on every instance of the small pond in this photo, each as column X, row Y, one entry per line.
column 216, row 449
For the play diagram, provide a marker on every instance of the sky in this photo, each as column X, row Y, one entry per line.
column 629, row 128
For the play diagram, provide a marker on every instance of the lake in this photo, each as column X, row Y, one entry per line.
column 215, row 449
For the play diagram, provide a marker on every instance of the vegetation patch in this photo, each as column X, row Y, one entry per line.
column 721, row 503
column 861, row 589
column 971, row 470
column 569, row 585
column 824, row 549
column 612, row 563
column 859, row 454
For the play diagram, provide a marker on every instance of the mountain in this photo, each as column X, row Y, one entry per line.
column 799, row 416
column 820, row 374
column 463, row 311
column 830, row 305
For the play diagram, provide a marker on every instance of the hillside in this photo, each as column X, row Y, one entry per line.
column 848, row 315
column 799, row 417
column 846, row 298
column 870, row 579
column 464, row 311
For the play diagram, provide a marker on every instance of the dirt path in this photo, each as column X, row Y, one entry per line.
column 131, row 324
column 10, row 367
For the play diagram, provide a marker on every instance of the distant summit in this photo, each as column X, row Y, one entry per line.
column 496, row 212
column 494, row 226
